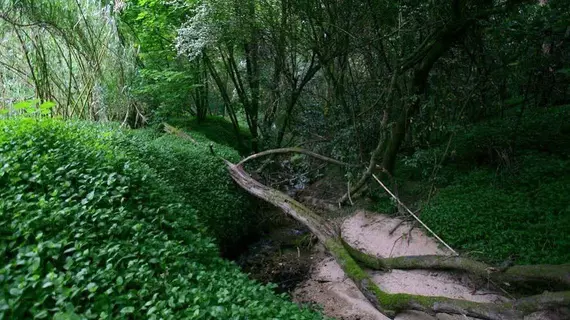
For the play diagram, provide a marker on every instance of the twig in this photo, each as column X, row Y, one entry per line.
column 413, row 215
column 394, row 244
column 349, row 198
column 396, row 227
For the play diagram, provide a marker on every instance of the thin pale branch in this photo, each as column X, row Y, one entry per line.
column 295, row 150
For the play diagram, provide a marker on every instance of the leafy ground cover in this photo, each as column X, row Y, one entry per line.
column 504, row 189
column 216, row 129
column 88, row 231
column 202, row 180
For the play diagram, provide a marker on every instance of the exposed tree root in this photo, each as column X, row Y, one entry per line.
column 390, row 304
column 539, row 276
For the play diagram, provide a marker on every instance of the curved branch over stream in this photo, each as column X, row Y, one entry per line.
column 391, row 304
column 295, row 150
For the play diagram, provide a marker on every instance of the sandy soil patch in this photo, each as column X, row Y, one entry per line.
column 338, row 296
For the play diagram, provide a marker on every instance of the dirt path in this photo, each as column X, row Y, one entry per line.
column 339, row 297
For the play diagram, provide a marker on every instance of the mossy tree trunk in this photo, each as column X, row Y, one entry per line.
column 391, row 304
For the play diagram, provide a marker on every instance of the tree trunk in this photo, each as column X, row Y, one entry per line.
column 420, row 62
column 297, row 87
column 225, row 97
column 386, row 303
column 391, row 304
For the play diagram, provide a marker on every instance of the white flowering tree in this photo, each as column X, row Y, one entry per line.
column 262, row 47
column 225, row 36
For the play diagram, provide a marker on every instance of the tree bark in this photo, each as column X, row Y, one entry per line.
column 295, row 150
column 537, row 277
column 387, row 303
column 419, row 63
column 225, row 97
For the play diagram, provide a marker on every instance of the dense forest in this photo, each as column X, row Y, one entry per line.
column 285, row 159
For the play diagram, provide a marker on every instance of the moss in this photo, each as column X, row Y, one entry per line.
column 350, row 267
column 366, row 259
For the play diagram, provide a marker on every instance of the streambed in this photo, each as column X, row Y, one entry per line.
column 290, row 258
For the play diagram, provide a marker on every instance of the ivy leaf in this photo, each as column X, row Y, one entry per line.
column 127, row 310
column 92, row 287
column 70, row 315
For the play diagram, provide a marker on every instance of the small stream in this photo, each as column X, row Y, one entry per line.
column 283, row 256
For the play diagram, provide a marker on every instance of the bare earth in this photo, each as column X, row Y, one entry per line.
column 370, row 232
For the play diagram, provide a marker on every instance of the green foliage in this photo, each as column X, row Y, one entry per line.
column 495, row 144
column 202, row 179
column 164, row 82
column 545, row 130
column 528, row 218
column 385, row 205
column 33, row 108
column 510, row 196
column 88, row 232
column 67, row 51
column 166, row 92
column 217, row 129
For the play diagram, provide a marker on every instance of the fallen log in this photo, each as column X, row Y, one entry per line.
column 391, row 304
column 177, row 132
column 387, row 303
column 541, row 277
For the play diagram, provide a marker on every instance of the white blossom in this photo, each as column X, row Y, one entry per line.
column 197, row 34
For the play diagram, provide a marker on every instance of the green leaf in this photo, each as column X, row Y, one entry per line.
column 41, row 315
column 127, row 310
column 47, row 105
column 70, row 315
column 16, row 291
column 92, row 287
column 23, row 105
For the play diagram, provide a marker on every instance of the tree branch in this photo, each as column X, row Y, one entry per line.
column 387, row 303
column 295, row 150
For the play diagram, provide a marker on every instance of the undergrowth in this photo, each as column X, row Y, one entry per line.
column 525, row 216
column 203, row 181
column 503, row 190
column 217, row 129
column 87, row 231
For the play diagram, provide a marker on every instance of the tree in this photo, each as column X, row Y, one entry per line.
column 68, row 52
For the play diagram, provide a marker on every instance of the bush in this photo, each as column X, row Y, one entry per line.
column 544, row 130
column 203, row 181
column 88, row 232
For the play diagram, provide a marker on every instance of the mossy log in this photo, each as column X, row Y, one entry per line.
column 177, row 132
column 387, row 303
column 540, row 277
